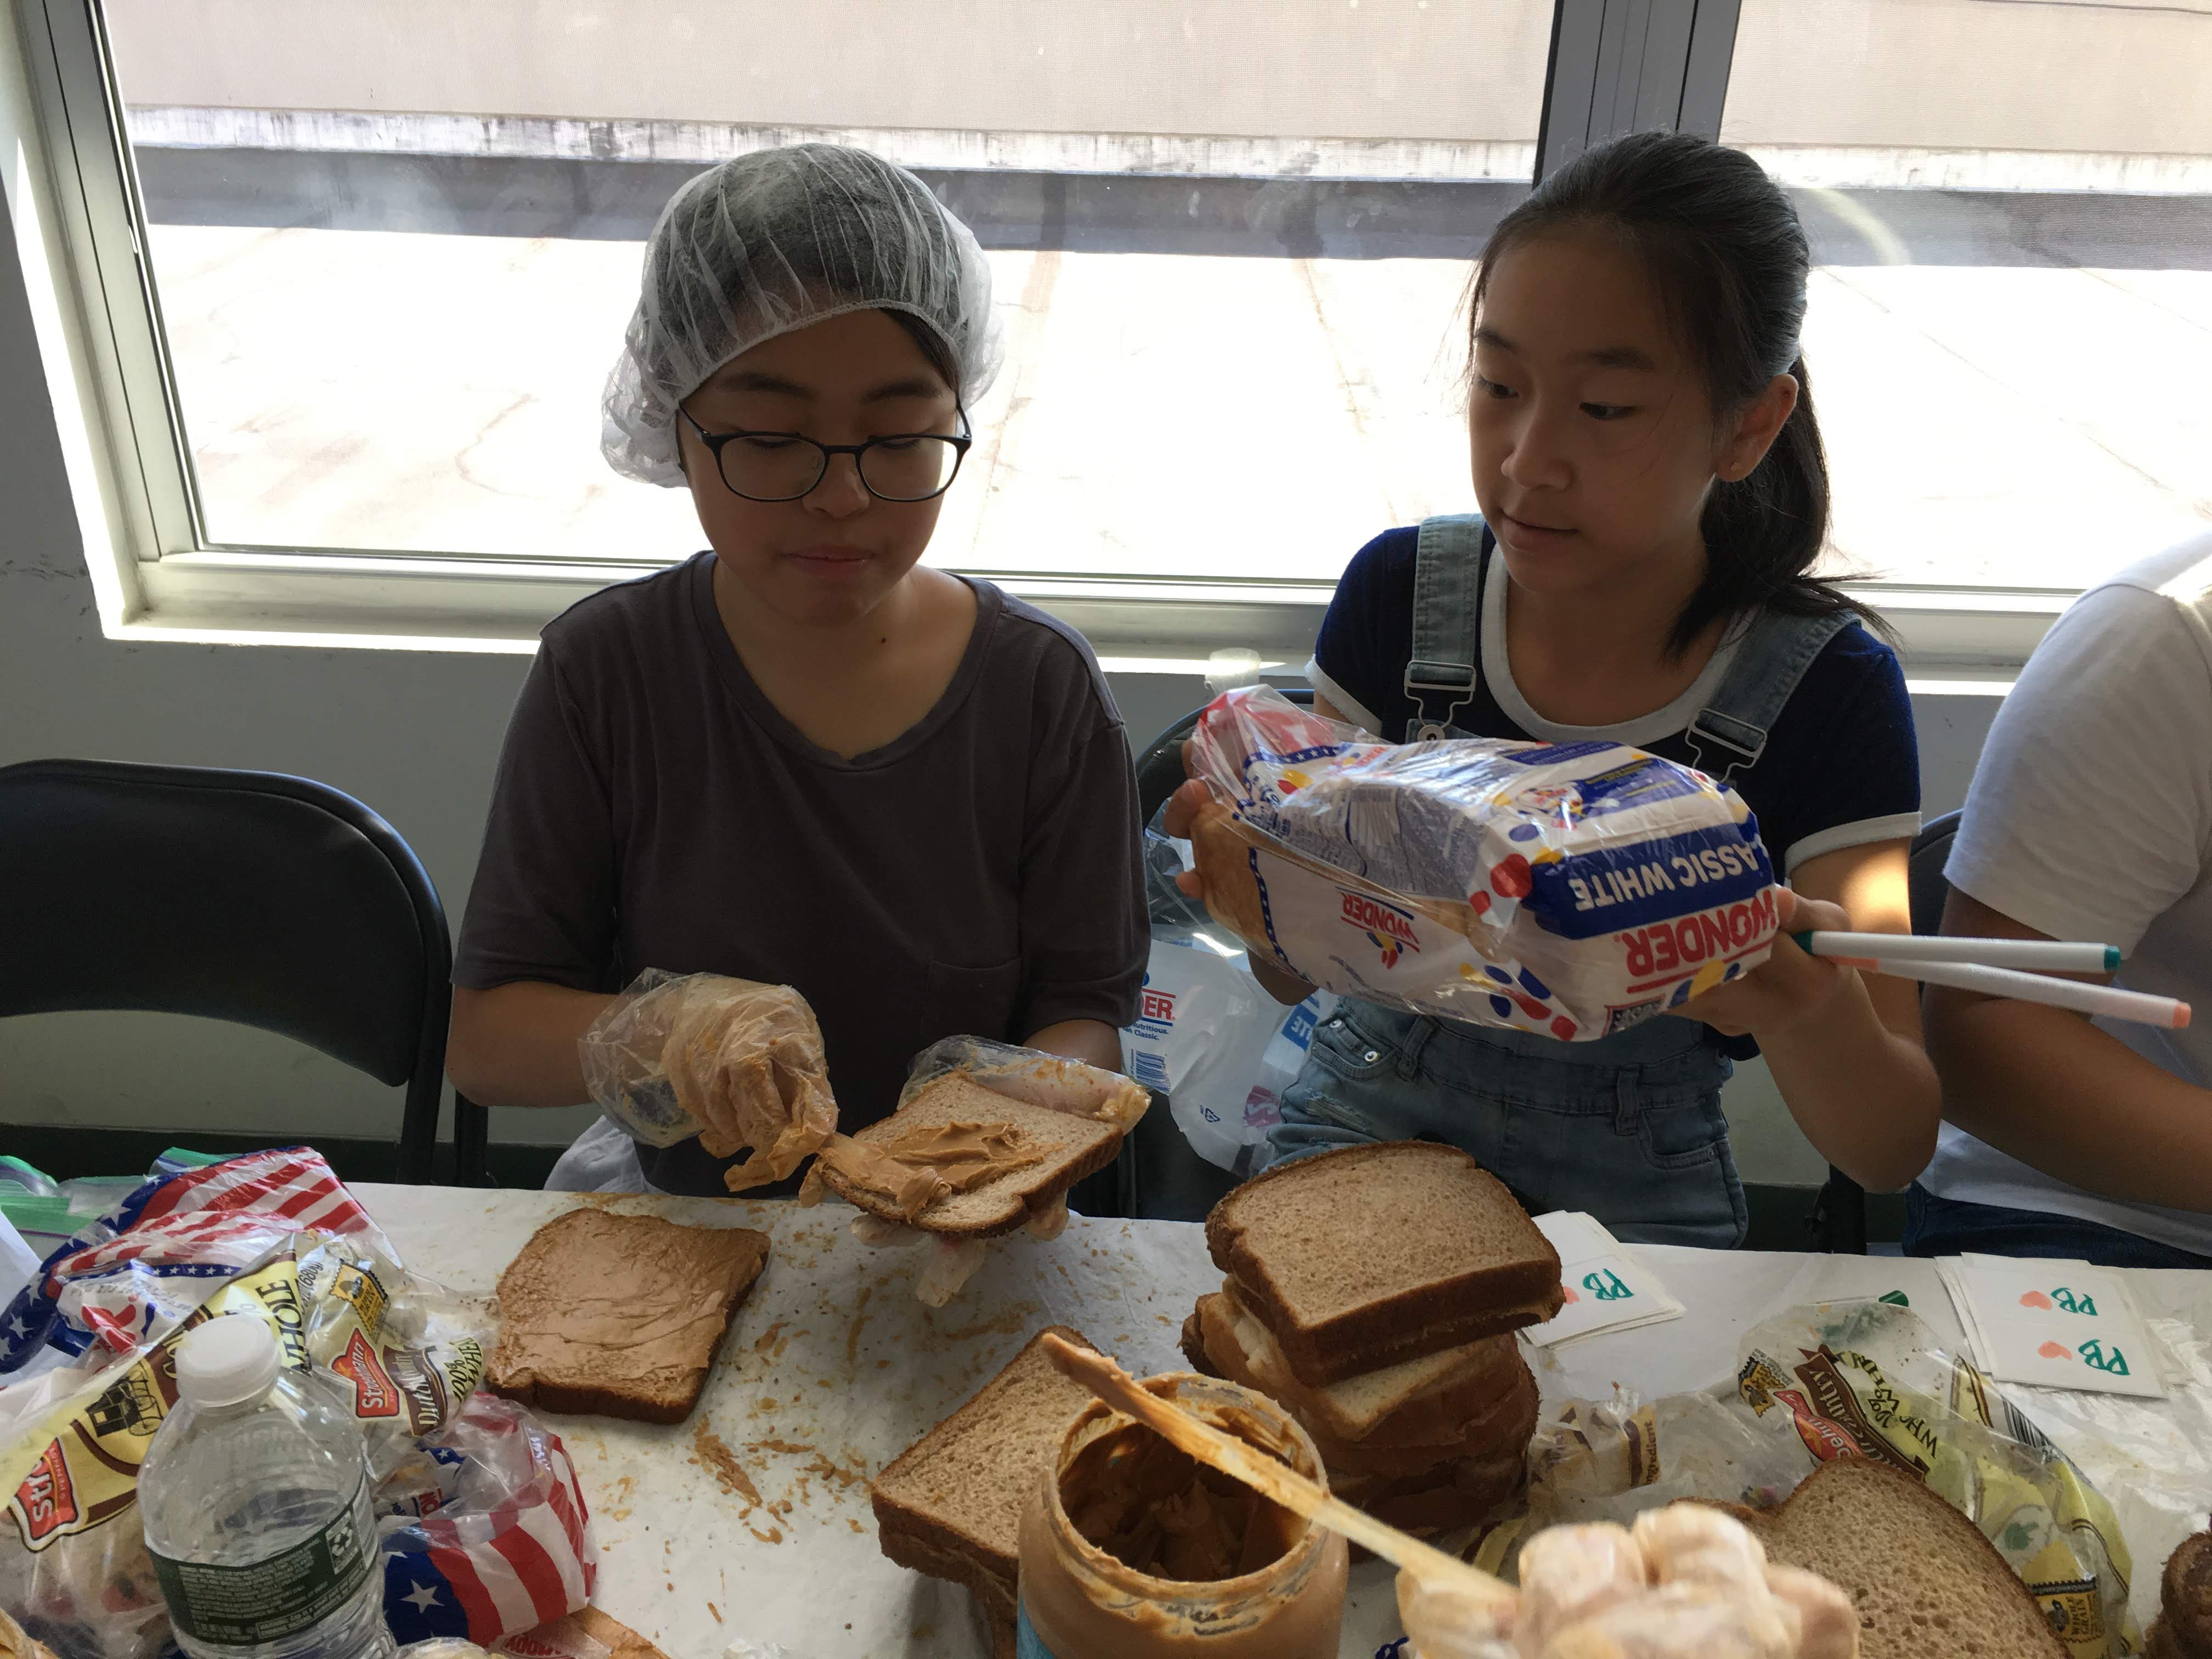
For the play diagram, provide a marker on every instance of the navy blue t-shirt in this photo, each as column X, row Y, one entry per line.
column 1841, row 768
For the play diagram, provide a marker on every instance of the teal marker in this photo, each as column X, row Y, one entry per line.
column 2035, row 955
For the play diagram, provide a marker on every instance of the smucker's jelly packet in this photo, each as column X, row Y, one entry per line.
column 1572, row 890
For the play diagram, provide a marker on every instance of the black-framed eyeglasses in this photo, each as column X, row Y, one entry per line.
column 784, row 466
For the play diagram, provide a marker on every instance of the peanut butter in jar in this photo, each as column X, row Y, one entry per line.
column 1130, row 1550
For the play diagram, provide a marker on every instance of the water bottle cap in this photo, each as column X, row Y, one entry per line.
column 228, row 1361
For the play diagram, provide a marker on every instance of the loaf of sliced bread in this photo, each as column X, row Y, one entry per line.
column 1368, row 1256
column 619, row 1316
column 1927, row 1584
column 1418, row 1402
column 950, row 1505
column 1065, row 1147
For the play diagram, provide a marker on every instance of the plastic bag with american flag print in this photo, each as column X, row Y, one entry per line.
column 85, row 1358
column 503, row 1548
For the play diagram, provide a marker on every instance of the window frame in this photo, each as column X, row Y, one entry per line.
column 1614, row 65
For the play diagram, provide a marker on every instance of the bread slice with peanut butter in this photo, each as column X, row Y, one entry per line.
column 968, row 1158
column 619, row 1316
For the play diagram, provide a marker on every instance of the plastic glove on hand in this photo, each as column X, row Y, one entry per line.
column 738, row 1064
column 747, row 1062
column 1689, row 1583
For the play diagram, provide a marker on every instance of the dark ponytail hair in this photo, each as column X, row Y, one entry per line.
column 1723, row 245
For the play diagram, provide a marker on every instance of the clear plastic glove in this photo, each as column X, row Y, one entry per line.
column 1689, row 1583
column 738, row 1064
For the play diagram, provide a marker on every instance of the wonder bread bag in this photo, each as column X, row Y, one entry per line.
column 87, row 1372
column 1573, row 890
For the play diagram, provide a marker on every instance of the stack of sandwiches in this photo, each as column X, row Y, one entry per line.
column 1373, row 1292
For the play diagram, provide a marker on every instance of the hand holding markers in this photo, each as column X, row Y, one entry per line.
column 1994, row 967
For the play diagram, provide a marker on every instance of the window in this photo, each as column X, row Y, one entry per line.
column 2010, row 202
column 393, row 247
column 350, row 279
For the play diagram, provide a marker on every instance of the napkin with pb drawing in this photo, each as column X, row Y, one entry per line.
column 2054, row 1324
column 1605, row 1291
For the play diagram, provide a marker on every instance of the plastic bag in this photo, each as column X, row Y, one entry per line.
column 88, row 1349
column 736, row 1063
column 1571, row 889
column 1847, row 1379
column 48, row 1213
column 489, row 1539
column 1208, row 1035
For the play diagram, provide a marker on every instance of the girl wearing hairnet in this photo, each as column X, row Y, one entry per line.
column 803, row 756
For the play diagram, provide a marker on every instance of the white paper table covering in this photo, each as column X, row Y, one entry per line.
column 832, row 1353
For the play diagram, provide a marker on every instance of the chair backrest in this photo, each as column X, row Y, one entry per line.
column 1931, row 850
column 247, row 896
column 1159, row 769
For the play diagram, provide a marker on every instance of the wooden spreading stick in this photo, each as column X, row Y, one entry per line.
column 1266, row 1476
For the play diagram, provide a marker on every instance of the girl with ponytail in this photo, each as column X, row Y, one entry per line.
column 1654, row 502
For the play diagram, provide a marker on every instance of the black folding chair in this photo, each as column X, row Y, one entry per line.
column 1839, row 1219
column 245, row 896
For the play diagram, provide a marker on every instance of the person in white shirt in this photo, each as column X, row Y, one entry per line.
column 2090, row 818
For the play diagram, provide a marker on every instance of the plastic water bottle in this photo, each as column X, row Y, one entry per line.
column 255, row 1499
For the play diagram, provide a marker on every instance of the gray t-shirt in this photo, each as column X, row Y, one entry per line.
column 978, row 875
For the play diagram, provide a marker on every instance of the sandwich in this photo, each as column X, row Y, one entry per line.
column 950, row 1505
column 1373, row 1293
column 1367, row 1256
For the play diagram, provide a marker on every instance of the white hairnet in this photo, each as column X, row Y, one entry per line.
column 774, row 241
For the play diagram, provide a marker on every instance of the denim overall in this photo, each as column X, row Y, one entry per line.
column 1627, row 1127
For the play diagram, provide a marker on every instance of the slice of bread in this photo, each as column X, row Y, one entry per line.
column 2185, row 1596
column 1367, row 1256
column 584, row 1632
column 619, row 1316
column 16, row 1642
column 1926, row 1582
column 1419, row 1402
column 950, row 1505
column 1069, row 1148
